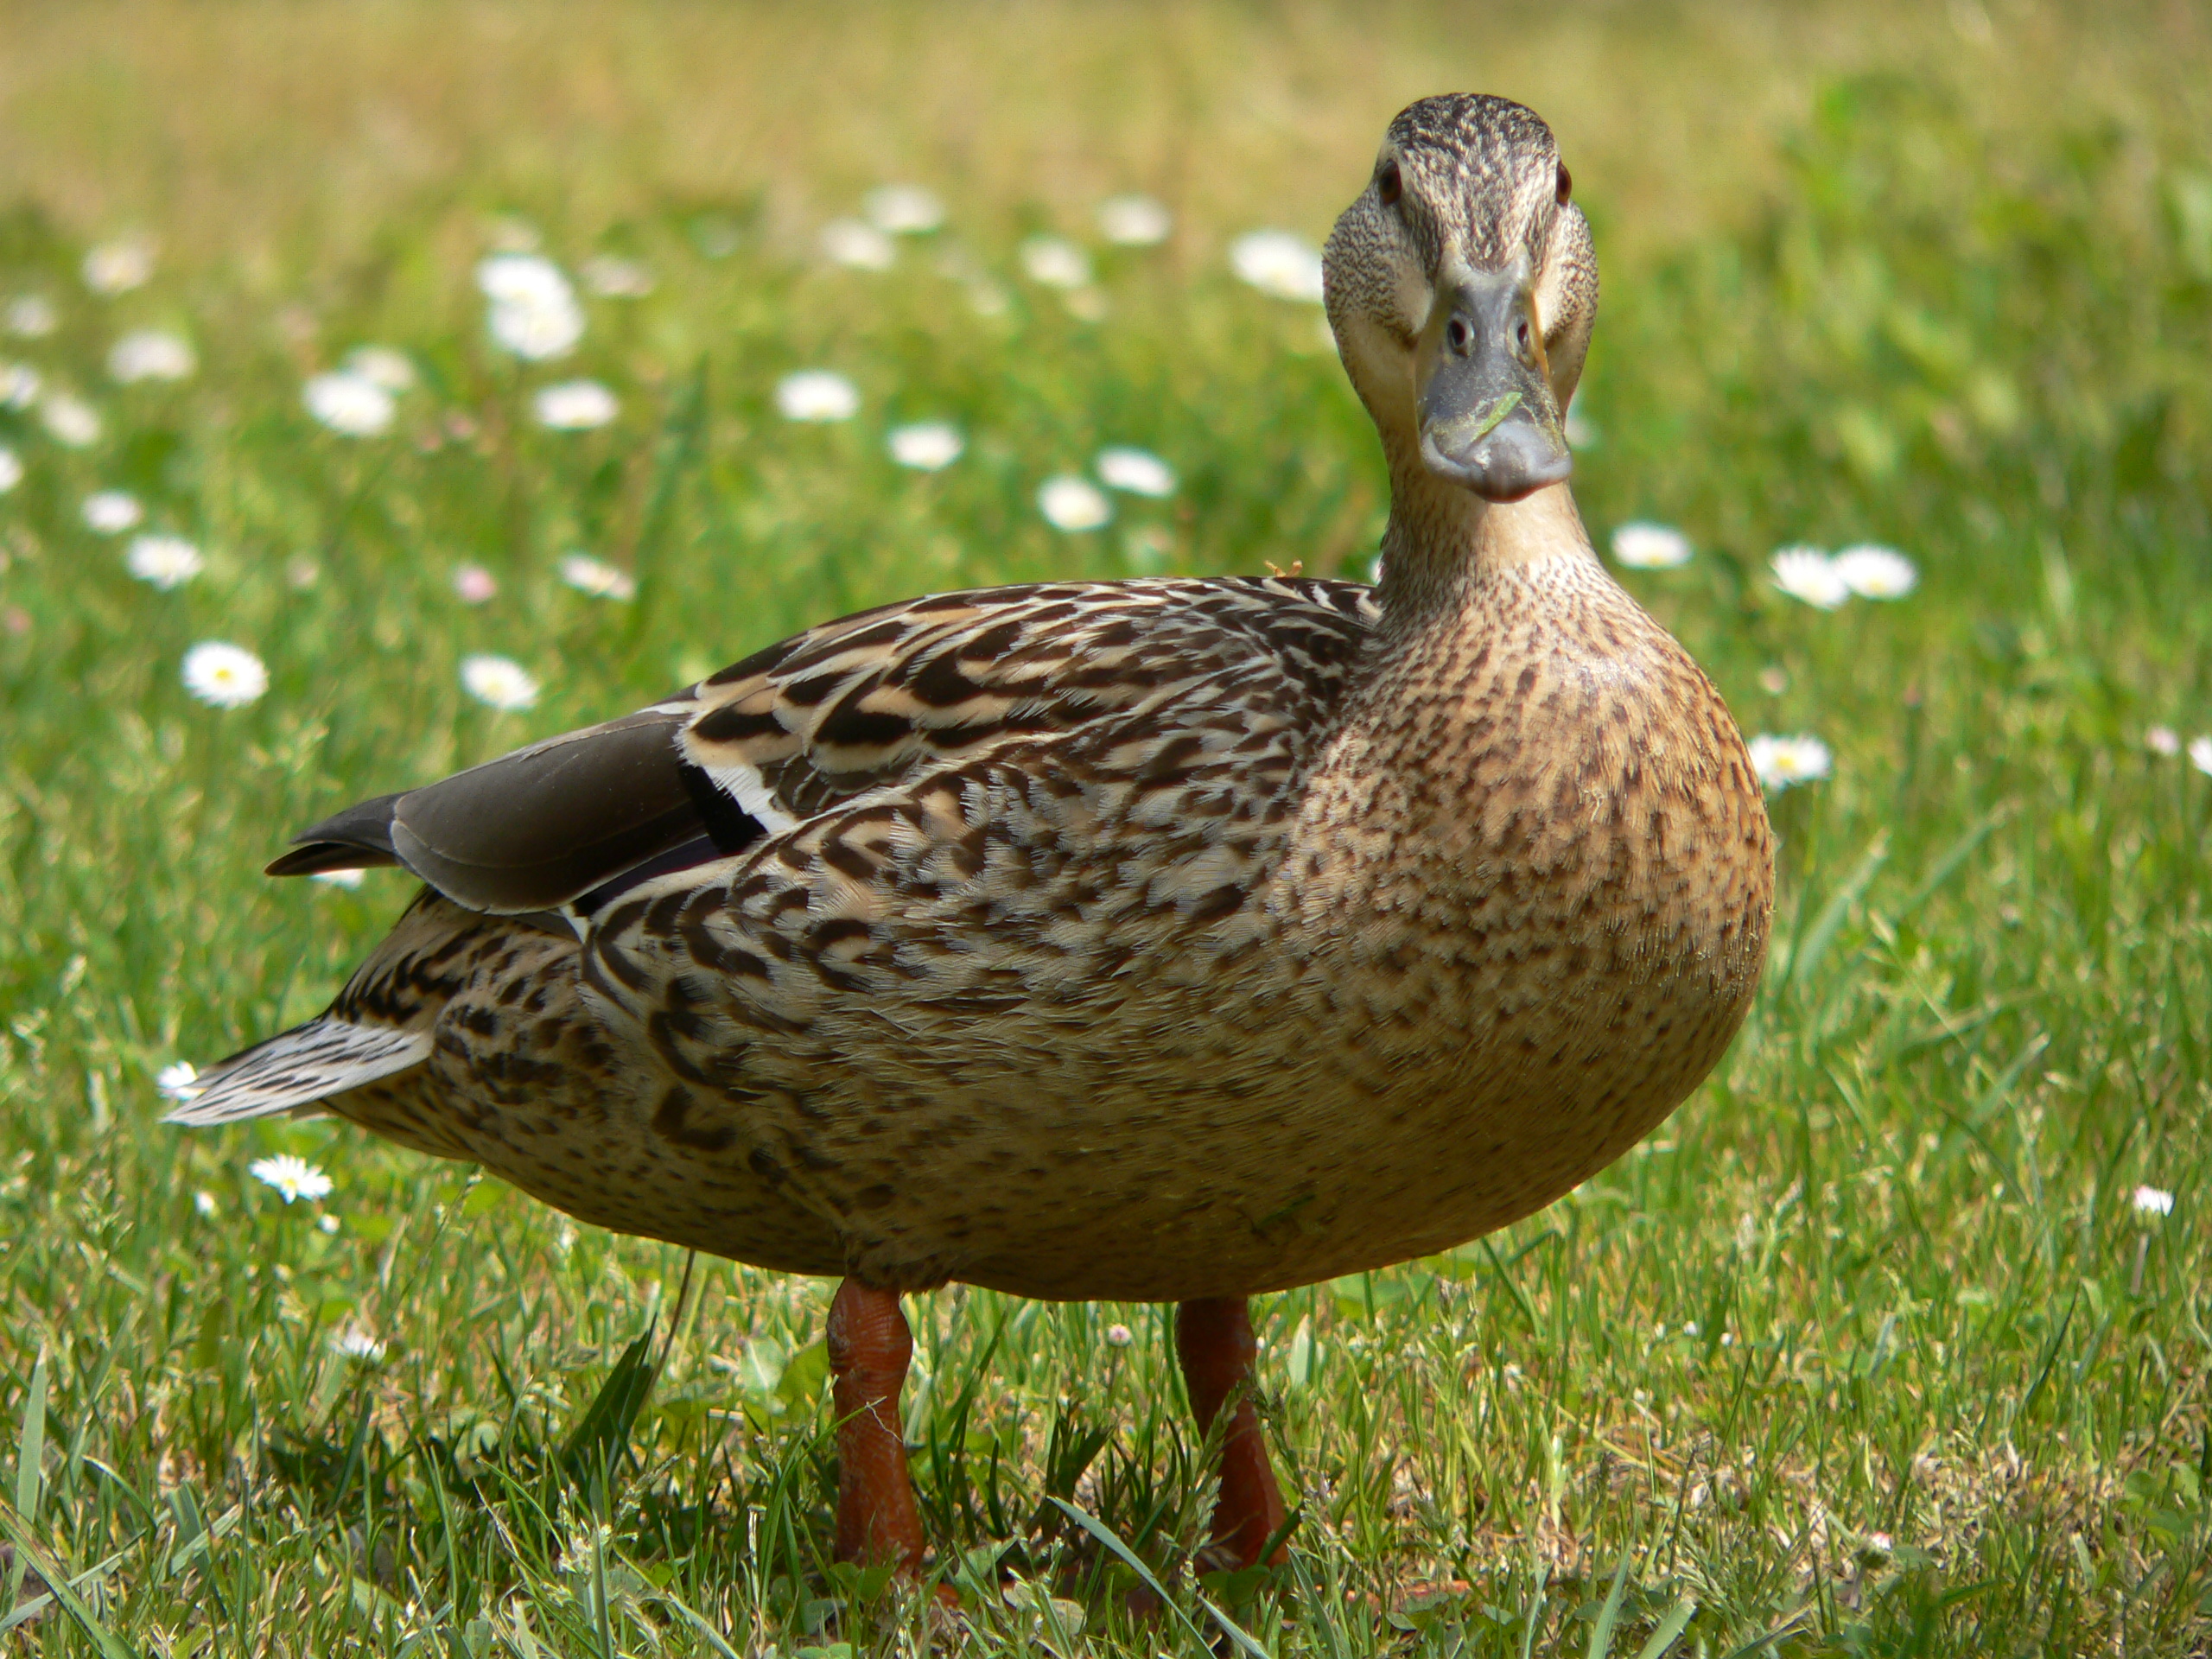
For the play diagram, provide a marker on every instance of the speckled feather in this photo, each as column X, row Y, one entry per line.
column 1150, row 940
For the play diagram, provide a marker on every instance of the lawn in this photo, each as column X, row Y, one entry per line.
column 1894, row 1340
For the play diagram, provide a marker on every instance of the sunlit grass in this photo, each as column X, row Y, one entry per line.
column 1871, row 1349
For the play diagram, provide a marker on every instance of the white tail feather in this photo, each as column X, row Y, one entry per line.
column 309, row 1063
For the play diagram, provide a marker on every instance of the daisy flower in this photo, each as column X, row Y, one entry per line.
column 165, row 561
column 293, row 1178
column 903, row 209
column 612, row 277
column 355, row 1344
column 1055, row 261
column 19, row 385
column 11, row 470
column 499, row 681
column 120, row 266
column 112, row 512
column 382, row 365
column 223, row 674
column 575, row 405
column 151, row 355
column 179, row 1080
column 1073, row 504
column 475, row 584
column 2162, row 740
column 31, row 316
column 2200, row 754
column 534, row 310
column 2153, row 1201
column 1278, row 263
column 816, row 395
column 1134, row 221
column 1782, row 761
column 1139, row 471
column 1120, row 1336
column 350, row 403
column 1807, row 574
column 926, row 445
column 70, row 421
column 1874, row 572
column 601, row 580
column 858, row 245
column 1642, row 546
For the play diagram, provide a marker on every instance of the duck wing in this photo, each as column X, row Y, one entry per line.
column 876, row 700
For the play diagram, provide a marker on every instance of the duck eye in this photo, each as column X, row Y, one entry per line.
column 1389, row 184
column 1565, row 184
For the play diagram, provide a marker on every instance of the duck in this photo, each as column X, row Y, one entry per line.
column 1170, row 940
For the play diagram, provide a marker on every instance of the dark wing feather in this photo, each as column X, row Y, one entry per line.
column 872, row 701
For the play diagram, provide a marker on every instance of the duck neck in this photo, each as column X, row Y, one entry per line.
column 1444, row 545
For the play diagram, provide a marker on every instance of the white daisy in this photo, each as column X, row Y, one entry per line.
column 204, row 1202
column 500, row 681
column 1120, row 1336
column 1278, row 263
column 1134, row 221
column 601, row 580
column 2153, row 1201
column 112, row 512
column 179, row 1080
column 19, row 385
column 926, row 445
column 11, row 469
column 70, row 420
column 350, row 403
column 538, row 330
column 1876, row 572
column 575, row 405
column 293, row 1178
column 816, row 395
column 1137, row 470
column 165, row 561
column 382, row 365
column 348, row 880
column 612, row 277
column 31, row 316
column 858, row 245
column 120, row 266
column 475, row 584
column 353, row 1343
column 151, row 355
column 1055, row 261
column 327, row 1223
column 2200, row 754
column 903, row 209
column 1643, row 546
column 523, row 279
column 1807, row 574
column 224, row 675
column 2162, row 740
column 1783, row 762
column 1072, row 503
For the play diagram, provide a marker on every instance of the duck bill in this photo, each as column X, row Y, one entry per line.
column 1489, row 422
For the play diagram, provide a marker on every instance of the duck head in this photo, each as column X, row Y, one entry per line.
column 1462, row 285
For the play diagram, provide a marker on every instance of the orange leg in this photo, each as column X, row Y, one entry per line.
column 869, row 1348
column 1213, row 1338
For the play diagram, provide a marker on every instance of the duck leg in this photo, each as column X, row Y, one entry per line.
column 1213, row 1338
column 869, row 1348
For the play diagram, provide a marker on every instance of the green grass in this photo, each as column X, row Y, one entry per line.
column 1866, row 1352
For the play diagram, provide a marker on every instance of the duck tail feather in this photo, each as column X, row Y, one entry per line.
column 307, row 1064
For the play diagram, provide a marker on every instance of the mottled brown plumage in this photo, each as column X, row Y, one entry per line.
column 1158, row 940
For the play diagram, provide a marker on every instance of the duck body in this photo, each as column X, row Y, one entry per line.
column 1309, row 951
column 1166, row 940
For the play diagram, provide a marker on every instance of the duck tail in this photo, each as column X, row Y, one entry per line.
column 325, row 1056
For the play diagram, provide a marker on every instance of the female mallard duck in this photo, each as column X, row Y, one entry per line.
column 1169, row 940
